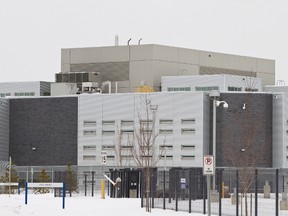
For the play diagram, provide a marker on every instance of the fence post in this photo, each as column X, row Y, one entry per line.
column 92, row 193
column 237, row 192
column 277, row 193
column 85, row 184
column 176, row 189
column 142, row 190
column 153, row 187
column 220, row 191
column 164, row 189
column 256, row 192
column 204, row 194
column 190, row 189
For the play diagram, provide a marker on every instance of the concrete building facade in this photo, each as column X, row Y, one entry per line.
column 136, row 65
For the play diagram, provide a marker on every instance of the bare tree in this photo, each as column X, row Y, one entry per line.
column 143, row 148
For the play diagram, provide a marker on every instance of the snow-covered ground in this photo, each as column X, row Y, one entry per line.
column 47, row 205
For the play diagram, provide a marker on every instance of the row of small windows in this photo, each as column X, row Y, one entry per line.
column 131, row 122
column 5, row 94
column 206, row 88
column 161, row 131
column 230, row 88
column 210, row 88
column 125, row 147
column 112, row 157
column 179, row 89
column 24, row 94
column 18, row 94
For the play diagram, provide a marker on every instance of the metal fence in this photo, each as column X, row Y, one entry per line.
column 182, row 189
column 185, row 190
column 88, row 179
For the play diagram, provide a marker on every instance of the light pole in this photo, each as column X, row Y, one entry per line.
column 154, row 109
column 214, row 94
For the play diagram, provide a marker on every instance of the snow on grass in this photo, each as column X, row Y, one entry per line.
column 47, row 205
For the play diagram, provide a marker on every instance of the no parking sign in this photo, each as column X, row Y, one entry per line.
column 208, row 165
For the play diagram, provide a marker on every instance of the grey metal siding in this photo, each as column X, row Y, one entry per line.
column 4, row 129
column 171, row 106
column 43, row 131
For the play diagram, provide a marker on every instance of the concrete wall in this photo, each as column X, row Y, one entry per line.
column 148, row 63
column 43, row 131
column 4, row 129
column 248, row 129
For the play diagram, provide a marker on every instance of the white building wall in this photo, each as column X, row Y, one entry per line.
column 119, row 107
column 36, row 87
column 4, row 129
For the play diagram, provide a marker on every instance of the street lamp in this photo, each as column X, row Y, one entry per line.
column 215, row 94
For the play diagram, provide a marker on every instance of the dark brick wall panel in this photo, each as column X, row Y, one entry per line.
column 47, row 124
column 238, row 128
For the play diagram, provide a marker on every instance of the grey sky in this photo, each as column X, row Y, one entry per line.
column 33, row 32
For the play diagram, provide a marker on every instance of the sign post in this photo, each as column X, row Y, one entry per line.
column 208, row 170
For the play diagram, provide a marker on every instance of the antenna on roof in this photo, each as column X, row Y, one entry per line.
column 139, row 41
column 116, row 40
column 128, row 42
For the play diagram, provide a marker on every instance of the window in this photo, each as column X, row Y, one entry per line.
column 5, row 94
column 24, row 94
column 146, row 121
column 166, row 131
column 231, row 88
column 251, row 89
column 188, row 121
column 89, row 123
column 187, row 157
column 112, row 122
column 167, row 147
column 127, row 157
column 89, row 147
column 110, row 157
column 89, row 157
column 168, row 157
column 127, row 123
column 108, row 132
column 165, row 121
column 89, row 132
column 126, row 147
column 188, row 147
column 127, row 131
column 206, row 88
column 187, row 131
column 144, row 130
column 108, row 147
column 179, row 88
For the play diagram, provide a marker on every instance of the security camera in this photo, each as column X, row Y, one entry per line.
column 225, row 105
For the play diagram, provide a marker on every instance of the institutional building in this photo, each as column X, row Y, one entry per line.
column 77, row 125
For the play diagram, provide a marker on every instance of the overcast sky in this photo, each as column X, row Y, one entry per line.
column 32, row 32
